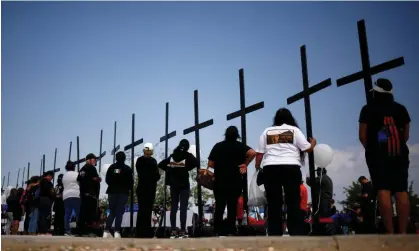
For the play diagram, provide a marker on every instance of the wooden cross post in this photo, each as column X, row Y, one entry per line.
column 101, row 155
column 17, row 180
column 242, row 114
column 69, row 150
column 305, row 94
column 78, row 155
column 40, row 170
column 115, row 147
column 8, row 176
column 55, row 163
column 166, row 138
column 367, row 71
column 43, row 163
column 198, row 126
column 29, row 166
column 2, row 184
column 23, row 176
column 126, row 148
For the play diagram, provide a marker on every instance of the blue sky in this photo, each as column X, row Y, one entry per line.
column 72, row 68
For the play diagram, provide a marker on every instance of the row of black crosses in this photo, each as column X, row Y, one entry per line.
column 366, row 74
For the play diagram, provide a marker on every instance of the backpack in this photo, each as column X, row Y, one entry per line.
column 390, row 138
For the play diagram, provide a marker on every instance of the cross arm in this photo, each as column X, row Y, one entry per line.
column 168, row 136
column 200, row 126
column 374, row 70
column 248, row 109
column 136, row 143
column 315, row 88
column 115, row 149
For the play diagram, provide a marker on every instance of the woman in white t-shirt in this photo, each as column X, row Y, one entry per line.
column 71, row 195
column 281, row 154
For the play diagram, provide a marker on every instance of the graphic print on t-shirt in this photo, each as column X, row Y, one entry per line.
column 278, row 136
column 388, row 137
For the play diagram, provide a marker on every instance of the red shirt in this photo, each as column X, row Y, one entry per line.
column 303, row 197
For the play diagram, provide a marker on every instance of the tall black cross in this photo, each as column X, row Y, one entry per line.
column 166, row 138
column 367, row 71
column 43, row 163
column 126, row 148
column 17, row 180
column 78, row 161
column 305, row 94
column 2, row 184
column 40, row 170
column 8, row 176
column 29, row 167
column 55, row 162
column 115, row 147
column 198, row 126
column 23, row 175
column 69, row 150
column 101, row 155
column 242, row 114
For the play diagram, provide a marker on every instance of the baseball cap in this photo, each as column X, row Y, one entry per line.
column 383, row 85
column 148, row 146
column 91, row 156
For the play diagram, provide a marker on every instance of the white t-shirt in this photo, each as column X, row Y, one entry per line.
column 71, row 186
column 281, row 145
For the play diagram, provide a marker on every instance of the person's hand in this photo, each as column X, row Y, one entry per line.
column 313, row 141
column 365, row 195
column 257, row 168
column 243, row 168
column 98, row 179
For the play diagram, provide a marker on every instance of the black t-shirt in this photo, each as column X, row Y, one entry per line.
column 119, row 178
column 227, row 157
column 86, row 182
column 367, row 188
column 147, row 170
column 376, row 118
column 46, row 189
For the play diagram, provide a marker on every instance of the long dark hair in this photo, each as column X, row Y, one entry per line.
column 284, row 116
column 232, row 134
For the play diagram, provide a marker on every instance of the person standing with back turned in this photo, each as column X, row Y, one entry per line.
column 119, row 179
column 230, row 159
column 281, row 153
column 384, row 132
column 148, row 175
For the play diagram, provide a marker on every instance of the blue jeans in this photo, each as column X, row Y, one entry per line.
column 33, row 223
column 70, row 205
column 117, row 204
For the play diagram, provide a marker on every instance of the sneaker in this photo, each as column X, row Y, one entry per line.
column 68, row 234
column 173, row 235
column 106, row 234
column 117, row 235
column 183, row 235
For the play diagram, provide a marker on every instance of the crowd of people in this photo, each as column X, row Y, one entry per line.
column 384, row 131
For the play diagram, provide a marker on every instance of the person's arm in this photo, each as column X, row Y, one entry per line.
column 164, row 164
column 302, row 143
column 130, row 176
column 261, row 150
column 108, row 178
column 406, row 132
column 213, row 156
column 158, row 176
column 191, row 162
column 94, row 174
column 250, row 155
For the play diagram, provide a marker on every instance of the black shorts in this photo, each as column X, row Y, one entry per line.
column 17, row 216
column 388, row 173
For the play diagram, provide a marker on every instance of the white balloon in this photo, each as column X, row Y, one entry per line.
column 323, row 155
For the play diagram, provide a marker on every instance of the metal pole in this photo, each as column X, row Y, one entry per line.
column 55, row 162
column 17, row 180
column 2, row 183
column 132, row 166
column 78, row 154
column 69, row 151
column 114, row 141
column 100, row 151
column 40, row 170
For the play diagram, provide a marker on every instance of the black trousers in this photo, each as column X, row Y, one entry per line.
column 88, row 213
column 45, row 204
column 226, row 195
column 59, row 217
column 287, row 177
column 27, row 218
column 179, row 196
column 146, row 196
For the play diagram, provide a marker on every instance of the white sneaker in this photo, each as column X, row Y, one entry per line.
column 106, row 234
column 117, row 235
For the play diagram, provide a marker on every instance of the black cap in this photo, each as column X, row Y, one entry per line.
column 91, row 156
column 361, row 178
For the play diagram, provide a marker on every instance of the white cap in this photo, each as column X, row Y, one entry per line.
column 148, row 146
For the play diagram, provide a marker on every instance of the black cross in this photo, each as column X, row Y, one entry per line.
column 55, row 162
column 79, row 161
column 115, row 147
column 367, row 71
column 166, row 138
column 100, row 150
column 29, row 166
column 69, row 151
column 43, row 163
column 23, row 175
column 242, row 114
column 305, row 94
column 8, row 176
column 2, row 184
column 40, row 170
column 126, row 148
column 17, row 180
column 198, row 126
